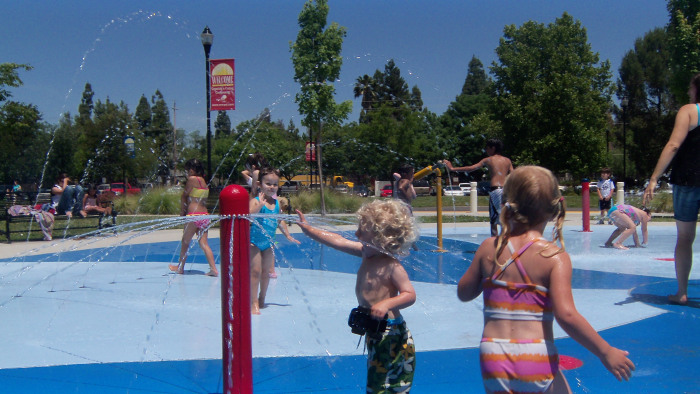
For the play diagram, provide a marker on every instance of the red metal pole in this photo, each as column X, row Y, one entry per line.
column 586, row 206
column 235, row 292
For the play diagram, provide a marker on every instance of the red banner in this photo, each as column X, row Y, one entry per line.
column 222, row 83
column 310, row 151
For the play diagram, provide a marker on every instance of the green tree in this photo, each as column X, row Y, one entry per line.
column 645, row 80
column 63, row 150
column 316, row 55
column 416, row 99
column 684, row 38
column 477, row 82
column 160, row 132
column 86, row 106
column 10, row 78
column 143, row 115
column 464, row 137
column 282, row 147
column 222, row 125
column 365, row 86
column 553, row 96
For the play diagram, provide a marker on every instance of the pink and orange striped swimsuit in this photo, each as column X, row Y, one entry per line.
column 517, row 365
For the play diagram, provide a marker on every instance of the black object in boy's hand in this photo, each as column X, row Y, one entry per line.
column 361, row 322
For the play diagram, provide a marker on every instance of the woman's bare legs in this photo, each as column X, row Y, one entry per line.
column 683, row 259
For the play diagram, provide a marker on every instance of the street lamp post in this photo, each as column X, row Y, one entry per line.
column 624, row 103
column 207, row 40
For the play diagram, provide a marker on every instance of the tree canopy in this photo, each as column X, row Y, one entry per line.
column 552, row 95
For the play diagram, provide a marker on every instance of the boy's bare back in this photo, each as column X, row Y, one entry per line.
column 499, row 167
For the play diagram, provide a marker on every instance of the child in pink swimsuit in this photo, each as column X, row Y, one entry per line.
column 194, row 200
column 526, row 281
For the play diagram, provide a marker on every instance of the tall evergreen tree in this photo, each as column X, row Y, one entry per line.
column 86, row 106
column 476, row 82
column 161, row 131
column 222, row 125
column 416, row 99
column 395, row 88
column 143, row 115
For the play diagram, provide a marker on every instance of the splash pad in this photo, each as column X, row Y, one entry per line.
column 105, row 315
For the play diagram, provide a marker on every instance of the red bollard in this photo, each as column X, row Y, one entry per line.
column 235, row 292
column 586, row 206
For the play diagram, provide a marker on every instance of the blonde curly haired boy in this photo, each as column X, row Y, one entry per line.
column 386, row 230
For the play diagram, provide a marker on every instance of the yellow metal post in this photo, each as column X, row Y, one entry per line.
column 439, row 210
column 423, row 173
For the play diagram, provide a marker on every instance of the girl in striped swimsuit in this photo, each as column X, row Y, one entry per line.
column 526, row 281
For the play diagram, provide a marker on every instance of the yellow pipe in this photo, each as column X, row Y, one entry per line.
column 439, row 210
column 423, row 173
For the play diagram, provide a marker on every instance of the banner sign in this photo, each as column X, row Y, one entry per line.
column 222, row 83
column 129, row 142
column 310, row 151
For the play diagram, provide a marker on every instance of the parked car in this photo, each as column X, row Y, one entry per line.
column 342, row 189
column 423, row 188
column 387, row 191
column 118, row 188
column 290, row 187
column 452, row 191
column 466, row 188
column 315, row 186
column 105, row 187
column 361, row 190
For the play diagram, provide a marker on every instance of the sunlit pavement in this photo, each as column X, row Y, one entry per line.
column 105, row 316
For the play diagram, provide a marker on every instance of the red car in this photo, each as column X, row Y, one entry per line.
column 118, row 188
column 387, row 191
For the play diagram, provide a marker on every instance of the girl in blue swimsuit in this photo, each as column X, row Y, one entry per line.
column 262, row 233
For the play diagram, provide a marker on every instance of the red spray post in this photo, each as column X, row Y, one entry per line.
column 586, row 206
column 235, row 291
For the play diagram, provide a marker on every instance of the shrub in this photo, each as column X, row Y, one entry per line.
column 310, row 202
column 160, row 201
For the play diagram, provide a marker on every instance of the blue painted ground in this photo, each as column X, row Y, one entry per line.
column 665, row 347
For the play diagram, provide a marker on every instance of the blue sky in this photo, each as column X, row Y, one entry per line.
column 128, row 48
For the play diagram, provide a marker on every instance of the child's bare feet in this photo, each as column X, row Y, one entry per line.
column 176, row 268
column 255, row 309
column 676, row 299
column 272, row 274
column 212, row 273
column 620, row 246
column 608, row 245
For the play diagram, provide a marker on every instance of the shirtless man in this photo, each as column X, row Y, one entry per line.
column 499, row 167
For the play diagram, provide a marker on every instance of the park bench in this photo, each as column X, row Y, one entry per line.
column 24, row 223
